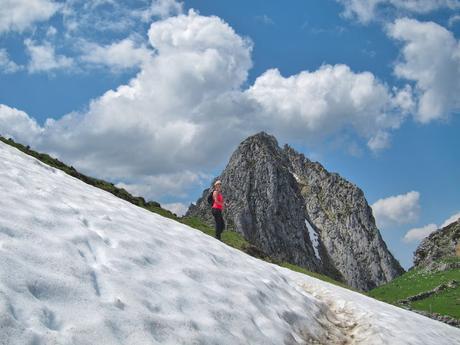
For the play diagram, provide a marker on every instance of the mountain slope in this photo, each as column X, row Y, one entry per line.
column 283, row 203
column 80, row 266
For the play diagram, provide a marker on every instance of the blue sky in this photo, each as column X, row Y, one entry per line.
column 155, row 95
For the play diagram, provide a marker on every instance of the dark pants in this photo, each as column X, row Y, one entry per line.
column 220, row 224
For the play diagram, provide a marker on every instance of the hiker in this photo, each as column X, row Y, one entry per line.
column 217, row 208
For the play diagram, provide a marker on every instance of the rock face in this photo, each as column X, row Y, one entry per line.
column 440, row 244
column 296, row 211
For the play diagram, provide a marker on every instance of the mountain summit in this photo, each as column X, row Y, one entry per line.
column 295, row 210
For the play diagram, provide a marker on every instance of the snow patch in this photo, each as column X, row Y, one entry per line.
column 314, row 238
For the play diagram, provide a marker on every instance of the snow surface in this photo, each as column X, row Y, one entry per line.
column 79, row 266
column 313, row 238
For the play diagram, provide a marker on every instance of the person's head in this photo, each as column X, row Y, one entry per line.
column 217, row 185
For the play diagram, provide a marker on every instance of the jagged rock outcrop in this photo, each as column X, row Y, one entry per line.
column 295, row 210
column 442, row 243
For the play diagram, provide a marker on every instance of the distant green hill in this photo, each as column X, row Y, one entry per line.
column 421, row 282
column 230, row 238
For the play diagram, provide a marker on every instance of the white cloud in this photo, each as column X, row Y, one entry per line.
column 123, row 54
column 6, row 65
column 431, row 59
column 18, row 125
column 18, row 15
column 450, row 220
column 365, row 11
column 171, row 116
column 178, row 208
column 318, row 103
column 162, row 9
column 43, row 57
column 418, row 234
column 399, row 209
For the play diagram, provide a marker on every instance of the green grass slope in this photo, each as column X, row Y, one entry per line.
column 230, row 238
column 419, row 280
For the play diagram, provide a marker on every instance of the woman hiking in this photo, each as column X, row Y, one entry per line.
column 217, row 208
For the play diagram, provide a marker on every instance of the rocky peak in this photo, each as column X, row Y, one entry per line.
column 295, row 210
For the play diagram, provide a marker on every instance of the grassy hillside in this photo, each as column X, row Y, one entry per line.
column 230, row 238
column 420, row 280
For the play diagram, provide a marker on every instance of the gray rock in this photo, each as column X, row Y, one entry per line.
column 442, row 243
column 273, row 194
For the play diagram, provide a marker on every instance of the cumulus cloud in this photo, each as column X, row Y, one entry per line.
column 431, row 59
column 6, row 65
column 18, row 15
column 418, row 234
column 18, row 125
column 120, row 55
column 399, row 209
column 325, row 101
column 365, row 11
column 43, row 57
column 174, row 116
column 187, row 109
